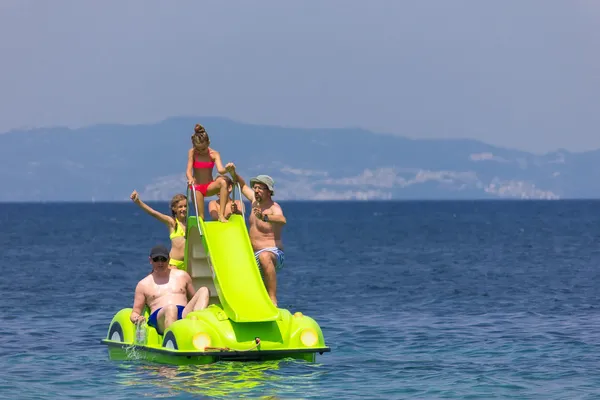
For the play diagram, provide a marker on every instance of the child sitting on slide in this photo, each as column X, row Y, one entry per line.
column 231, row 206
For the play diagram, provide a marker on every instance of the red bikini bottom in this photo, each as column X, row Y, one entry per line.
column 203, row 187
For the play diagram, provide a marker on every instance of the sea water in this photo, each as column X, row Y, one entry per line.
column 420, row 300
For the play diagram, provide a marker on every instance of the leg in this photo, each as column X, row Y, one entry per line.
column 166, row 316
column 200, row 203
column 222, row 198
column 220, row 186
column 267, row 264
column 198, row 302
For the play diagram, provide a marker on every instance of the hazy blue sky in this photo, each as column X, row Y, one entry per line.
column 522, row 73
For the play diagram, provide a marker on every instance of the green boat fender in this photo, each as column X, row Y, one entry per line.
column 121, row 329
column 304, row 331
column 191, row 334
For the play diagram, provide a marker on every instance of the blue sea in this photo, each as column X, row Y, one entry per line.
column 417, row 300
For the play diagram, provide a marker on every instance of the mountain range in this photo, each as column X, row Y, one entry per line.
column 106, row 162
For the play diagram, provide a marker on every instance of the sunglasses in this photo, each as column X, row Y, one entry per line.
column 159, row 259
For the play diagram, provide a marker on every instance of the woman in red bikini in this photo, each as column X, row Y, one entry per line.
column 201, row 160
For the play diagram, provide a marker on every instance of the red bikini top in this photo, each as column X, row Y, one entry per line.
column 203, row 164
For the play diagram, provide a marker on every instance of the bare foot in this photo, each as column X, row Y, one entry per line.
column 223, row 219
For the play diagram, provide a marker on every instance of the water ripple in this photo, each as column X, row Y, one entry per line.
column 469, row 300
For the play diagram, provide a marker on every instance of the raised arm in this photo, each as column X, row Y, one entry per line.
column 189, row 173
column 139, row 301
column 159, row 216
column 217, row 157
column 246, row 191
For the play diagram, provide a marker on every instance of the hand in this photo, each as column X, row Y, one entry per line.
column 192, row 182
column 135, row 196
column 230, row 167
column 139, row 319
column 258, row 213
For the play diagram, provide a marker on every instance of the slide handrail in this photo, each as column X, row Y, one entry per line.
column 237, row 185
column 193, row 191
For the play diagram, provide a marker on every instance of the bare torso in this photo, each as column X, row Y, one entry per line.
column 264, row 234
column 203, row 175
column 177, row 248
column 160, row 291
column 178, row 243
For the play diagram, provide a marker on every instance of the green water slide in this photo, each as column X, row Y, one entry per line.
column 220, row 256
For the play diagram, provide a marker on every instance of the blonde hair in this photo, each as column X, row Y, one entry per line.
column 176, row 199
column 200, row 135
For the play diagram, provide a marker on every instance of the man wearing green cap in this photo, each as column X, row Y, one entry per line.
column 265, row 225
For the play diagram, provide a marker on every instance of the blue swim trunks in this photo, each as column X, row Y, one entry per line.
column 152, row 321
column 280, row 257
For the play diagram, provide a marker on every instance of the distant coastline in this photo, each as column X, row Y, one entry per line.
column 105, row 162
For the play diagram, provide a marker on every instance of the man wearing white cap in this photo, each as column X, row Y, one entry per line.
column 266, row 223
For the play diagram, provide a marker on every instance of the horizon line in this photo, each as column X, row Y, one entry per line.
column 423, row 200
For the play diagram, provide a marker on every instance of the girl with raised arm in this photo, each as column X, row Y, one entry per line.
column 176, row 222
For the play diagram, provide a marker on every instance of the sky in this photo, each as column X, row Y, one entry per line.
column 514, row 73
